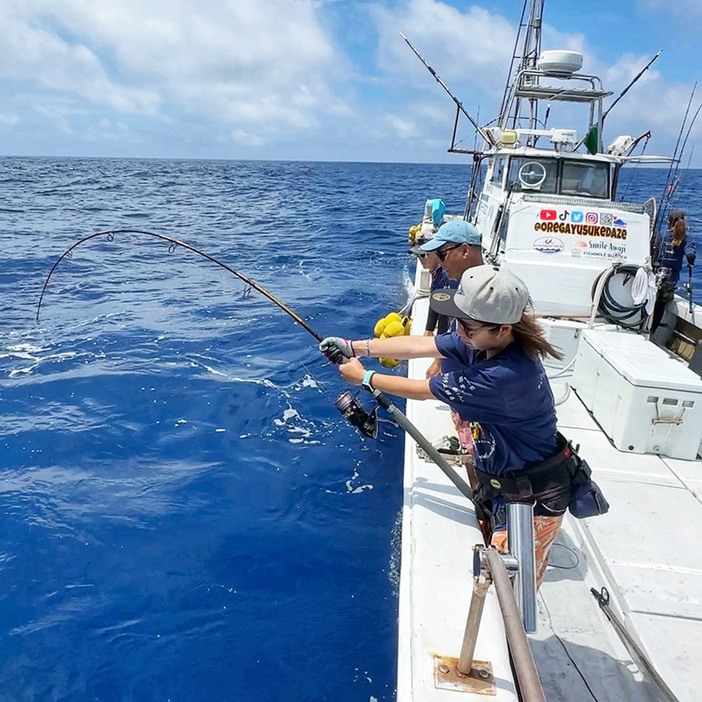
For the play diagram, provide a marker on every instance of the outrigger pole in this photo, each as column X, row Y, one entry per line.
column 672, row 177
column 488, row 138
column 634, row 80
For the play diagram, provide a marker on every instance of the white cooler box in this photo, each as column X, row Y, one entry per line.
column 645, row 401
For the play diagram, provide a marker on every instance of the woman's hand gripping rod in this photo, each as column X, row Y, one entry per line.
column 338, row 351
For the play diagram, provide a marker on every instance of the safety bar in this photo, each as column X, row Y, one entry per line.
column 490, row 566
column 524, row 666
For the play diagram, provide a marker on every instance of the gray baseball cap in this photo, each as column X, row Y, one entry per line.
column 457, row 231
column 485, row 294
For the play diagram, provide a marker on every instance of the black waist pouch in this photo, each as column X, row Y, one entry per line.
column 561, row 482
column 586, row 498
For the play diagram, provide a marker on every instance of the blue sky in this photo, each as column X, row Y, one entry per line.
column 312, row 80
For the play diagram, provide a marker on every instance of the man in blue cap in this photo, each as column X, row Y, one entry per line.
column 458, row 245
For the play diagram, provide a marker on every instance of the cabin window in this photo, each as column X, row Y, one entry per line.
column 538, row 174
column 498, row 171
column 585, row 179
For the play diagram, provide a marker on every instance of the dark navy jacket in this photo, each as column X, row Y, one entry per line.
column 668, row 256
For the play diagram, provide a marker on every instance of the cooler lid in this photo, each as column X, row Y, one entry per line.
column 620, row 343
column 654, row 372
column 641, row 362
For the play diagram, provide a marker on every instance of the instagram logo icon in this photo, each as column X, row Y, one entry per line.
column 591, row 218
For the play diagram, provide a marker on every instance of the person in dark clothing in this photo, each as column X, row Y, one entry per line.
column 669, row 253
column 499, row 387
column 458, row 247
column 430, row 261
column 436, row 322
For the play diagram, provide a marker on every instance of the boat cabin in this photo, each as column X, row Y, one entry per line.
column 550, row 216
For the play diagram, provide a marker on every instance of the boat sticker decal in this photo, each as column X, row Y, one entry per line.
column 580, row 229
column 610, row 250
column 606, row 218
column 591, row 218
column 618, row 222
column 576, row 217
column 548, row 245
column 484, row 443
column 548, row 215
column 564, row 216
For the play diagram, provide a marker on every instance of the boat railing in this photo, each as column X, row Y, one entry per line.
column 517, row 600
column 554, row 199
column 528, row 86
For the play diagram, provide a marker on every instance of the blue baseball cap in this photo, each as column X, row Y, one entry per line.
column 458, row 231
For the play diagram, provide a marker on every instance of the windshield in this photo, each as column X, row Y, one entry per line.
column 533, row 174
column 559, row 176
column 585, row 179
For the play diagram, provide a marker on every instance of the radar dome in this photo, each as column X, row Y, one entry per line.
column 560, row 61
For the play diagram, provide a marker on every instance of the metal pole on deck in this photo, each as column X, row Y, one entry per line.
column 520, row 539
column 481, row 584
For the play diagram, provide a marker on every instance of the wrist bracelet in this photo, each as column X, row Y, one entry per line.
column 366, row 382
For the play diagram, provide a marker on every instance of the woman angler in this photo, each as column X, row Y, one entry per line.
column 498, row 387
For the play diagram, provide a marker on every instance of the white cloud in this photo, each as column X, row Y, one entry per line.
column 262, row 66
column 403, row 128
column 31, row 51
column 239, row 136
column 653, row 103
column 9, row 119
column 270, row 79
column 470, row 48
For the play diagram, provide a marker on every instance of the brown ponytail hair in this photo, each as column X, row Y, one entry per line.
column 530, row 336
column 678, row 233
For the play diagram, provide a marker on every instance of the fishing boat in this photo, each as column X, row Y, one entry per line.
column 619, row 615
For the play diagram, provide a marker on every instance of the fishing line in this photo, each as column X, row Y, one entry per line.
column 347, row 403
column 174, row 243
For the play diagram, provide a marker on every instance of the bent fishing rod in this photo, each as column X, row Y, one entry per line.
column 110, row 234
column 349, row 406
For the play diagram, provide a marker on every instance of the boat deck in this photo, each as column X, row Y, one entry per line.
column 646, row 550
column 641, row 551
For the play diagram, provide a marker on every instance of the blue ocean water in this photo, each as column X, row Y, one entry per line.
column 185, row 515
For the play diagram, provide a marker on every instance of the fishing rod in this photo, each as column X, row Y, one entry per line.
column 675, row 160
column 628, row 87
column 676, row 180
column 349, row 406
column 673, row 185
column 688, row 287
column 110, row 234
column 486, row 135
